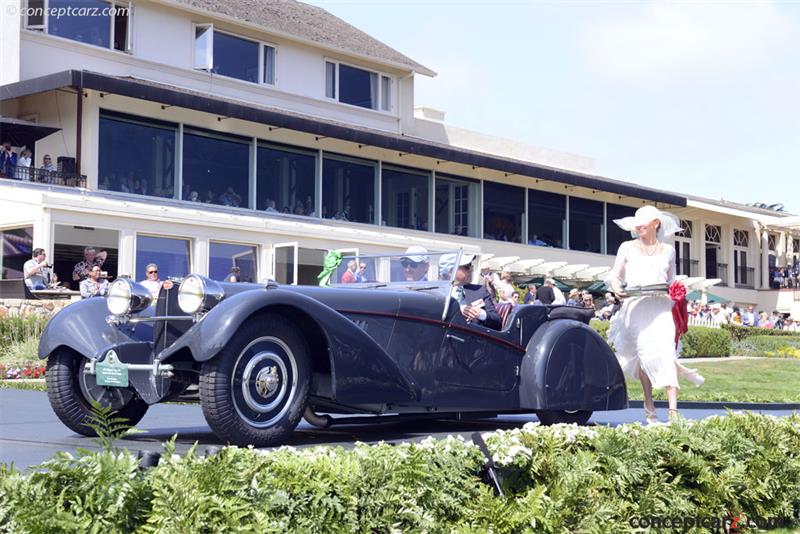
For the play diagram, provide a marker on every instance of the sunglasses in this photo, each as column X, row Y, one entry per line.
column 408, row 263
column 152, row 272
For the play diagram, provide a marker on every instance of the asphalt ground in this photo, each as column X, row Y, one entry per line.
column 31, row 433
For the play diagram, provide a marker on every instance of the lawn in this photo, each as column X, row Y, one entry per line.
column 762, row 380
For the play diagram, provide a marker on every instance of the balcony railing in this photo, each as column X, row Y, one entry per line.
column 687, row 267
column 720, row 272
column 41, row 176
column 745, row 277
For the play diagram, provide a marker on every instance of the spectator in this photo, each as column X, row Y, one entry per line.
column 588, row 302
column 611, row 307
column 36, row 271
column 47, row 165
column 530, row 296
column 90, row 258
column 574, row 297
column 777, row 320
column 235, row 275
column 349, row 276
column 475, row 301
column 557, row 294
column 95, row 285
column 23, row 170
column 8, row 160
column 748, row 317
column 270, row 206
column 763, row 321
column 736, row 317
column 515, row 298
column 790, row 325
column 717, row 316
column 546, row 294
column 194, row 196
column 230, row 198
column 152, row 282
column 361, row 273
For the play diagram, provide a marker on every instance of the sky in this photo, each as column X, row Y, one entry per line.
column 694, row 97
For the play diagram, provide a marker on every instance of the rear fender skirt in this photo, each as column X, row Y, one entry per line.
column 361, row 369
column 568, row 366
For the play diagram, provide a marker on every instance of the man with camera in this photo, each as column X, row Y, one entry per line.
column 96, row 285
column 37, row 271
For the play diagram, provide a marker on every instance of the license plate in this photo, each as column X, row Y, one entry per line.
column 111, row 372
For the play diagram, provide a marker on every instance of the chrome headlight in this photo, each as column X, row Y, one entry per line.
column 126, row 296
column 198, row 293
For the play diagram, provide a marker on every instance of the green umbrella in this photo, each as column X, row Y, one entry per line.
column 711, row 297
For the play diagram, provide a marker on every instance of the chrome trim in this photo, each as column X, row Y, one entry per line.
column 161, row 318
column 157, row 368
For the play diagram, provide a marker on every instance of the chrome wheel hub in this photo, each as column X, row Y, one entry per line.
column 267, row 381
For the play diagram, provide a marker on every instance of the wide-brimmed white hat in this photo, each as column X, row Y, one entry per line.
column 669, row 223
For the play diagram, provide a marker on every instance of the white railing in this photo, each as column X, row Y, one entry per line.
column 707, row 322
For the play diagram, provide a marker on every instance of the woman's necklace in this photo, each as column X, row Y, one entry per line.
column 650, row 250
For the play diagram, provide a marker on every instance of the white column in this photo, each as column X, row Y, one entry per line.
column 43, row 233
column 127, row 254
column 200, row 255
column 764, row 259
column 700, row 232
column 729, row 256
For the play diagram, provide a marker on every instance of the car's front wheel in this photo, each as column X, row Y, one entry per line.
column 71, row 392
column 552, row 417
column 254, row 391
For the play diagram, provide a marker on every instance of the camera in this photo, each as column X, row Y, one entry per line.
column 103, row 274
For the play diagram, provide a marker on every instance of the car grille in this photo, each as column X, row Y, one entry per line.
column 166, row 332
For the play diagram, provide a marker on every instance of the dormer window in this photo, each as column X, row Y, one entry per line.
column 233, row 56
column 358, row 87
column 94, row 22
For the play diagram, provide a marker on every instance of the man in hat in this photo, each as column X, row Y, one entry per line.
column 476, row 303
column 415, row 264
column 574, row 297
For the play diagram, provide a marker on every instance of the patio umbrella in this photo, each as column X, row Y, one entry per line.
column 710, row 297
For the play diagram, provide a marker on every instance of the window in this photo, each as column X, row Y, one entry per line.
column 741, row 238
column 69, row 244
column 17, row 249
column 615, row 235
column 457, row 205
column 233, row 56
column 285, row 180
column 586, row 225
column 713, row 233
column 796, row 246
column 503, row 208
column 348, row 189
column 93, row 22
column 295, row 265
column 404, row 198
column 222, row 257
column 772, row 241
column 358, row 87
column 136, row 155
column 547, row 219
column 743, row 275
column 216, row 168
column 170, row 254
column 686, row 229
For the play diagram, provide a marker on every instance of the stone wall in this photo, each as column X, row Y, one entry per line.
column 28, row 308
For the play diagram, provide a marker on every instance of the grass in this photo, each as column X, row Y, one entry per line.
column 20, row 352
column 763, row 380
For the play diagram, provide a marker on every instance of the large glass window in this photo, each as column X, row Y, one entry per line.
column 92, row 22
column 170, row 254
column 136, row 155
column 615, row 235
column 456, row 206
column 585, row 225
column 285, row 180
column 216, row 169
column 223, row 257
column 547, row 219
column 503, row 208
column 348, row 189
column 358, row 87
column 404, row 198
column 17, row 249
column 235, row 57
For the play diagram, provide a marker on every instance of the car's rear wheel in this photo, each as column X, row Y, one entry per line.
column 71, row 392
column 254, row 391
column 552, row 417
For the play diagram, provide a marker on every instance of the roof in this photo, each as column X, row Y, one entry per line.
column 304, row 22
column 739, row 206
column 278, row 118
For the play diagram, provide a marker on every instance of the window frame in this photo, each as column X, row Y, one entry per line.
column 256, row 251
column 44, row 27
column 191, row 240
column 209, row 66
column 379, row 105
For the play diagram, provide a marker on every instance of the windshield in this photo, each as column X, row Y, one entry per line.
column 414, row 268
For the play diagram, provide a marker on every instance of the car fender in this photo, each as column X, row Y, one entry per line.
column 361, row 370
column 568, row 366
column 82, row 327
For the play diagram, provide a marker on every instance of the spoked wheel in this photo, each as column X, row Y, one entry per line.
column 71, row 392
column 254, row 391
column 552, row 417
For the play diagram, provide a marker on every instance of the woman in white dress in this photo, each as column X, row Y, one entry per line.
column 643, row 331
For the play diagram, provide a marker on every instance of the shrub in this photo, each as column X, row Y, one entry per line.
column 562, row 478
column 601, row 327
column 741, row 332
column 770, row 346
column 18, row 330
column 702, row 341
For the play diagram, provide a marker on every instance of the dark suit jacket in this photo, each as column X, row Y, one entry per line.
column 473, row 292
column 546, row 295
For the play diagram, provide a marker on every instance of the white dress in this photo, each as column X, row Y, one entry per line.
column 643, row 332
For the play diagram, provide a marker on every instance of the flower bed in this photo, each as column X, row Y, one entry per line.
column 19, row 372
column 555, row 479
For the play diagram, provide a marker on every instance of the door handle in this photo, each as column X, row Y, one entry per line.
column 454, row 338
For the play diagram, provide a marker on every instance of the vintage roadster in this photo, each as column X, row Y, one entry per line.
column 258, row 357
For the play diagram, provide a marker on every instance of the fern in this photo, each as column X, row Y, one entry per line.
column 108, row 426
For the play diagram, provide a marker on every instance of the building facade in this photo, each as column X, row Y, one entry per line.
column 198, row 135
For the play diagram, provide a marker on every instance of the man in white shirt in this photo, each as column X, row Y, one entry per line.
column 36, row 271
column 152, row 283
